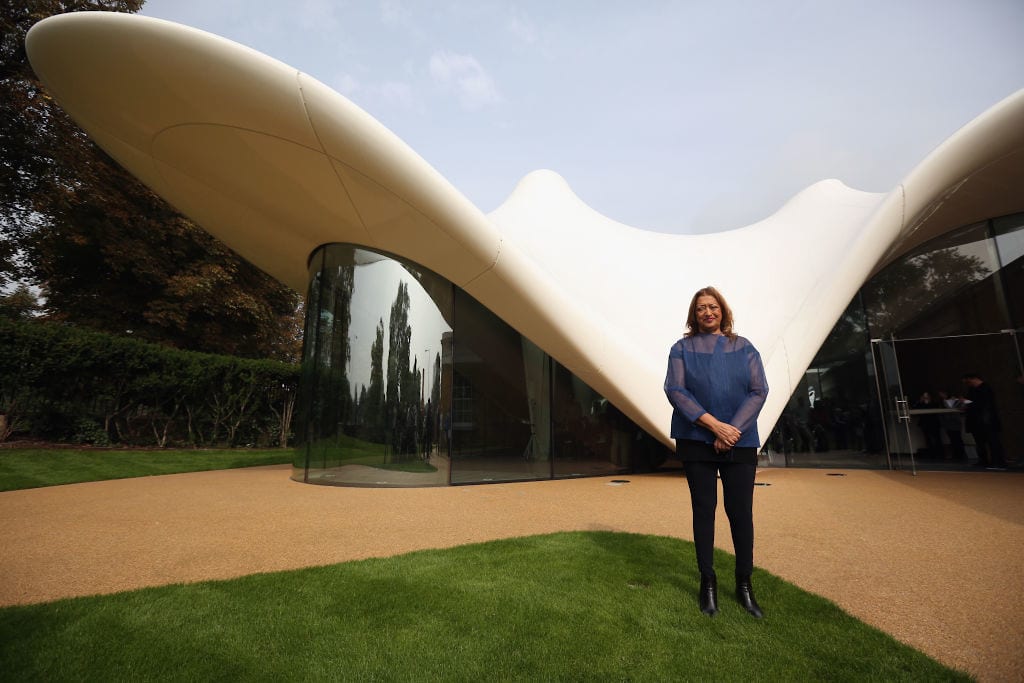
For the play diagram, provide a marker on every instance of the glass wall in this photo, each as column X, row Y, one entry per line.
column 833, row 416
column 377, row 365
column 946, row 287
column 500, row 402
column 409, row 381
column 951, row 307
column 1009, row 237
column 591, row 436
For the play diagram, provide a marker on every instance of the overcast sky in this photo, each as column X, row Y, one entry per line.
column 671, row 116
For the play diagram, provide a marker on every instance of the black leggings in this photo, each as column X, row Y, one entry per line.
column 738, row 490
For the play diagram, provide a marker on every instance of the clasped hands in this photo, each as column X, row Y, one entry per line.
column 726, row 436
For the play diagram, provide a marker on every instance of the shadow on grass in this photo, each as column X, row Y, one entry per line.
column 568, row 606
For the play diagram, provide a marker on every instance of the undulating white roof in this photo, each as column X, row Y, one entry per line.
column 275, row 164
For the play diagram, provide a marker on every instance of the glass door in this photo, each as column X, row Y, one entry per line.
column 899, row 444
column 919, row 379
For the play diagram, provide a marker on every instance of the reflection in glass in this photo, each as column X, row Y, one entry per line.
column 500, row 400
column 948, row 304
column 394, row 395
column 945, row 287
column 305, row 408
column 833, row 417
column 591, row 436
column 375, row 359
column 1010, row 245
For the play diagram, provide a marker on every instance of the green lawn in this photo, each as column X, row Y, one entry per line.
column 583, row 606
column 25, row 468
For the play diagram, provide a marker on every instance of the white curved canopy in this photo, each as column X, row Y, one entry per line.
column 275, row 164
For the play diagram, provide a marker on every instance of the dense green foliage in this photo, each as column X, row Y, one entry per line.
column 27, row 468
column 103, row 250
column 31, row 128
column 67, row 384
column 594, row 606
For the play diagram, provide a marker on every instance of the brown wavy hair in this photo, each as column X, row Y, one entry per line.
column 693, row 328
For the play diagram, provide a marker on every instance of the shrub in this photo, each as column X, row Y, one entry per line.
column 66, row 383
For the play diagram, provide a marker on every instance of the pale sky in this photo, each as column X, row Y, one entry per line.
column 677, row 117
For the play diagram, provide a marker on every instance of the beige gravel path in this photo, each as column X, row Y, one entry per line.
column 936, row 560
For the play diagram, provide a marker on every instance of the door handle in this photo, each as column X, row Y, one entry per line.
column 902, row 410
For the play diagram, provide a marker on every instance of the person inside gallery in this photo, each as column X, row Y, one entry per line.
column 981, row 418
column 716, row 384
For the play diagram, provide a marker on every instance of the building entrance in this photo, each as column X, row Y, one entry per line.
column 922, row 394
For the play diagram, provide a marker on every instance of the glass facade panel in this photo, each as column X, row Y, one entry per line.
column 948, row 286
column 374, row 362
column 938, row 365
column 591, row 436
column 307, row 409
column 1009, row 232
column 409, row 381
column 952, row 308
column 500, row 404
column 833, row 416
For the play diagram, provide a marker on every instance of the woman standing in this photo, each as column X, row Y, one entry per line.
column 716, row 385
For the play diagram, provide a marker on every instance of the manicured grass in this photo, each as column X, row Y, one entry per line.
column 583, row 606
column 25, row 468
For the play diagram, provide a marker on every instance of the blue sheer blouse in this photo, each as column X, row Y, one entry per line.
column 710, row 373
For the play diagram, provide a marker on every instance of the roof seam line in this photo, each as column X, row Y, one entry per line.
column 334, row 170
column 497, row 255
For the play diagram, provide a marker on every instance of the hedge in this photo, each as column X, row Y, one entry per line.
column 64, row 383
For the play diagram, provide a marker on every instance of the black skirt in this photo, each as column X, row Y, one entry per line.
column 689, row 450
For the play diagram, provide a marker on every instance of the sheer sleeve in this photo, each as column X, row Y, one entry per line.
column 675, row 387
column 745, row 417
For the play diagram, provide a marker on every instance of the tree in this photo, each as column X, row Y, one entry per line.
column 373, row 404
column 104, row 250
column 20, row 304
column 33, row 131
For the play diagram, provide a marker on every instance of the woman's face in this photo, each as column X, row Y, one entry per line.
column 709, row 314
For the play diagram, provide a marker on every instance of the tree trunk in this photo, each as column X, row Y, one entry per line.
column 286, row 418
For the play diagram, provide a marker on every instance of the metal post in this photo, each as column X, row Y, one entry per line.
column 883, row 403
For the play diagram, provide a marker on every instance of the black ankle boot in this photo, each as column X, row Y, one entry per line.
column 708, row 598
column 745, row 594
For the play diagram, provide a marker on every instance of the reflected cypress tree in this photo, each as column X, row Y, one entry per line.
column 435, row 390
column 338, row 389
column 412, row 391
column 359, row 410
column 307, row 407
column 373, row 404
column 430, row 416
column 399, row 374
column 342, row 287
